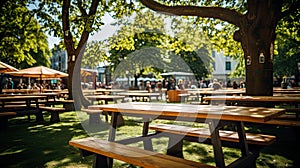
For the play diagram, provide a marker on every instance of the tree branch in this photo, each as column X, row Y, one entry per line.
column 88, row 22
column 293, row 8
column 224, row 14
column 66, row 26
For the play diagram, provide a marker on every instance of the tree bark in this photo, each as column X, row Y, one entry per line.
column 75, row 54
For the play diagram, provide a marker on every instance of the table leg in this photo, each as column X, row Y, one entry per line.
column 242, row 139
column 147, row 142
column 216, row 142
column 113, row 126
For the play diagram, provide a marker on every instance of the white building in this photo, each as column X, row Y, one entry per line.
column 222, row 66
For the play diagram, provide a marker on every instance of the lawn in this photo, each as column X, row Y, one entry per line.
column 30, row 144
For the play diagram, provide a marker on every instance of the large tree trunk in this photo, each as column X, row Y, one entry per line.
column 257, row 34
column 74, row 82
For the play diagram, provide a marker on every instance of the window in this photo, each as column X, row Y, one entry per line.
column 214, row 54
column 214, row 65
column 228, row 66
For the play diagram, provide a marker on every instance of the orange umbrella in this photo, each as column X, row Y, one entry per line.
column 6, row 68
column 39, row 72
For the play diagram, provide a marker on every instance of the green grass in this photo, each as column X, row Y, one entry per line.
column 30, row 144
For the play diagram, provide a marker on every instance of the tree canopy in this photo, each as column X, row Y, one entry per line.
column 22, row 41
column 252, row 24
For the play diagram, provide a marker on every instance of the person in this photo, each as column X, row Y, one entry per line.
column 148, row 86
column 171, row 85
column 180, row 84
column 203, row 84
column 234, row 85
column 10, row 83
column 216, row 85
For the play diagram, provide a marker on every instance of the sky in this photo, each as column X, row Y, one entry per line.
column 106, row 31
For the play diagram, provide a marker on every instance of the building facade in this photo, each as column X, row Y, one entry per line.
column 59, row 60
column 222, row 66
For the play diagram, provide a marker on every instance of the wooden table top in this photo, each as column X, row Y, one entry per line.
column 103, row 97
column 254, row 98
column 138, row 94
column 230, row 113
column 18, row 97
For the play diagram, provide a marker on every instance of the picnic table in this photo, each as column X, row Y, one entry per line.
column 25, row 107
column 109, row 91
column 215, row 116
column 268, row 100
column 106, row 98
column 200, row 94
column 287, row 91
column 137, row 95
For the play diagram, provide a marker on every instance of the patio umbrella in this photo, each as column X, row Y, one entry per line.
column 6, row 68
column 39, row 72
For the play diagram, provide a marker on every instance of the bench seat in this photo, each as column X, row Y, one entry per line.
column 231, row 136
column 178, row 133
column 284, row 122
column 132, row 155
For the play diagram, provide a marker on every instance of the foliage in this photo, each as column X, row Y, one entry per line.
column 95, row 53
column 221, row 33
column 22, row 41
column 185, row 50
column 287, row 50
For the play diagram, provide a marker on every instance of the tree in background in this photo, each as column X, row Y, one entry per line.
column 171, row 48
column 74, row 21
column 94, row 54
column 255, row 24
column 23, row 44
column 287, row 51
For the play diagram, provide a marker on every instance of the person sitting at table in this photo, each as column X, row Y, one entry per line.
column 180, row 84
column 234, row 85
column 171, row 85
column 10, row 83
column 216, row 85
column 148, row 87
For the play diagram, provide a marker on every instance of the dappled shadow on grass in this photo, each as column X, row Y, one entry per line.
column 30, row 144
column 284, row 152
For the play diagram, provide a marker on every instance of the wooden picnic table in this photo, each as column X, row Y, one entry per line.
column 208, row 92
column 268, row 100
column 215, row 116
column 106, row 98
column 136, row 95
column 27, row 102
column 109, row 91
column 287, row 91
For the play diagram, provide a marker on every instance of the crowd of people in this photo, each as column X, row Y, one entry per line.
column 10, row 84
column 180, row 84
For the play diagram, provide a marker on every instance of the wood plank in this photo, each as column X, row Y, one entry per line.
column 290, row 123
column 133, row 155
column 231, row 113
column 232, row 136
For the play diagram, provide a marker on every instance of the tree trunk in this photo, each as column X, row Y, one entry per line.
column 74, row 83
column 257, row 34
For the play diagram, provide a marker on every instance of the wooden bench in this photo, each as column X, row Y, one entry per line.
column 4, row 116
column 178, row 133
column 132, row 155
column 54, row 112
column 284, row 122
